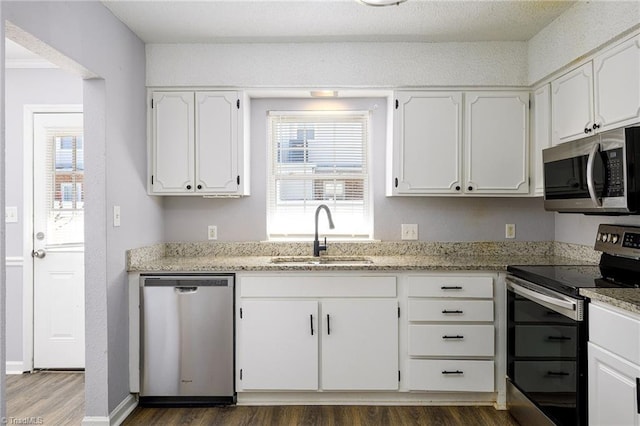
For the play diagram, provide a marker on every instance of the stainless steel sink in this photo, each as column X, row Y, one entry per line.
column 322, row 260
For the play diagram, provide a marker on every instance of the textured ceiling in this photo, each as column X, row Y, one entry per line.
column 251, row 21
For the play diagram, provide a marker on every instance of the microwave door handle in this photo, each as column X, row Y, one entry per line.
column 590, row 183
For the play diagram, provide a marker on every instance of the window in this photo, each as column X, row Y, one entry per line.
column 319, row 157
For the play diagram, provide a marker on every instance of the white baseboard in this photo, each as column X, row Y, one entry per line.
column 15, row 367
column 116, row 417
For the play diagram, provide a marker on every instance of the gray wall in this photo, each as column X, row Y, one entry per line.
column 24, row 87
column 115, row 130
column 438, row 218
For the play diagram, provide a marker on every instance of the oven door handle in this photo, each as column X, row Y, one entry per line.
column 591, row 186
column 564, row 306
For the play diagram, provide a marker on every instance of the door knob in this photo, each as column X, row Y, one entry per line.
column 38, row 253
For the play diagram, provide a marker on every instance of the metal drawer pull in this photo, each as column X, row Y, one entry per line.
column 638, row 394
column 328, row 325
column 558, row 338
column 453, row 337
column 452, row 312
column 452, row 372
column 557, row 373
column 311, row 321
column 452, row 287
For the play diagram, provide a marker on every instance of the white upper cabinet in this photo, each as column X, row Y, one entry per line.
column 172, row 149
column 428, row 128
column 496, row 156
column 601, row 94
column 437, row 150
column 572, row 104
column 541, row 134
column 197, row 145
column 617, row 85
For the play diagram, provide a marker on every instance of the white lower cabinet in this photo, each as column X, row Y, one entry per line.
column 451, row 333
column 614, row 367
column 289, row 342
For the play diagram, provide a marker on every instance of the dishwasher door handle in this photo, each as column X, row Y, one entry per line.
column 186, row 290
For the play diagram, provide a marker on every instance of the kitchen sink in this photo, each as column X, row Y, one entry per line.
column 322, row 260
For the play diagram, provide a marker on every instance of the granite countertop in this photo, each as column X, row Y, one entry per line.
column 623, row 298
column 369, row 256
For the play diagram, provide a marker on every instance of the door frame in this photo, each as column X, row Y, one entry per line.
column 27, row 219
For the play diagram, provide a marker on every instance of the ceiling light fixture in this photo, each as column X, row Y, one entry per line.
column 381, row 2
column 324, row 93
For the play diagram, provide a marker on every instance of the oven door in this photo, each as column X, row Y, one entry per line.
column 546, row 355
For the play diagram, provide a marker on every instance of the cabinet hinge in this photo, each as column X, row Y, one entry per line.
column 398, row 375
column 397, row 104
column 398, row 311
column 240, row 318
column 238, row 103
column 241, row 374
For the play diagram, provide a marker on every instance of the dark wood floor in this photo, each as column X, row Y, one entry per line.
column 58, row 399
column 322, row 415
column 47, row 398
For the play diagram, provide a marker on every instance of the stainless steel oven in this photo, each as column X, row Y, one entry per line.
column 547, row 355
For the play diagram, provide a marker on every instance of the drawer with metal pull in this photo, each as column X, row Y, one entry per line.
column 451, row 340
column 450, row 286
column 451, row 375
column 450, row 310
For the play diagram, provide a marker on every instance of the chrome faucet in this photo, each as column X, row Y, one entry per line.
column 317, row 248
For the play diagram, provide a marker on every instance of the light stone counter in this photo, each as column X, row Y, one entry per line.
column 623, row 298
column 383, row 256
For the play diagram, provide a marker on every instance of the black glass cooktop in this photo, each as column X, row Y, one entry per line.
column 569, row 279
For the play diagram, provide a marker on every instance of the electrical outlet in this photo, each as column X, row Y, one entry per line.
column 116, row 216
column 213, row 232
column 409, row 231
column 11, row 214
column 510, row 230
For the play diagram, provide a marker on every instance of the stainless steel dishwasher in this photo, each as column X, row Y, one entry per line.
column 187, row 339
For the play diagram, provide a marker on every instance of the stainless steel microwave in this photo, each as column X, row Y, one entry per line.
column 596, row 175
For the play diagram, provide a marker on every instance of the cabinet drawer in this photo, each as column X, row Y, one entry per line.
column 615, row 332
column 451, row 340
column 451, row 375
column 450, row 286
column 277, row 285
column 450, row 310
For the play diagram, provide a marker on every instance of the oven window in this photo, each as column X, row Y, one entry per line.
column 545, row 359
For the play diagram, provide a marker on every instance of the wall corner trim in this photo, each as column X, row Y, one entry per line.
column 116, row 417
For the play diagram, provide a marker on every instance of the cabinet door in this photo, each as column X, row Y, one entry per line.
column 278, row 345
column 428, row 143
column 496, row 143
column 360, row 345
column 541, row 134
column 617, row 85
column 613, row 389
column 572, row 105
column 216, row 142
column 172, row 142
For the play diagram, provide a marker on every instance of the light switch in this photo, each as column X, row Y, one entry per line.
column 116, row 216
column 11, row 214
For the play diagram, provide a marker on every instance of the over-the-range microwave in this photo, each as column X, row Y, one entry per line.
column 596, row 175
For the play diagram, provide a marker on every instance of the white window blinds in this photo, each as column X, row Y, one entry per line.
column 318, row 157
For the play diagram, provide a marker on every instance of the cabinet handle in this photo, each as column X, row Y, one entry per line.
column 188, row 186
column 558, row 338
column 453, row 337
column 396, row 182
column 328, row 325
column 199, row 187
column 596, row 126
column 311, row 322
column 452, row 312
column 470, row 188
column 450, row 287
column 238, row 180
column 557, row 373
column 452, row 372
column 457, row 187
column 638, row 395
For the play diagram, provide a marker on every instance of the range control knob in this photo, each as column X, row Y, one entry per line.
column 606, row 238
column 615, row 238
column 599, row 237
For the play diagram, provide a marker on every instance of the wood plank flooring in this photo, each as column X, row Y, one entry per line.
column 322, row 415
column 46, row 398
column 57, row 399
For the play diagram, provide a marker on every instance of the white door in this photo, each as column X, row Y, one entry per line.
column 279, row 345
column 360, row 345
column 58, row 241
